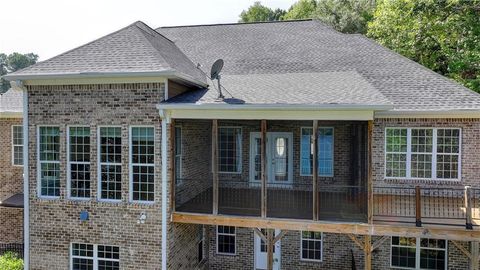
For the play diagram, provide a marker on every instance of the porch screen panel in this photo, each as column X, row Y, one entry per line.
column 325, row 150
column 229, row 146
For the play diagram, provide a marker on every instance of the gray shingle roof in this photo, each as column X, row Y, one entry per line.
column 11, row 102
column 333, row 88
column 135, row 48
column 311, row 47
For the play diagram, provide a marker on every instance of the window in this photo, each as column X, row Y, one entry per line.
column 95, row 257
column 110, row 147
column 418, row 253
column 422, row 153
column 311, row 245
column 226, row 240
column 178, row 155
column 325, row 151
column 79, row 161
column 49, row 161
column 17, row 145
column 142, row 156
column 229, row 147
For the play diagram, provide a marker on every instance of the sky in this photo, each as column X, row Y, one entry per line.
column 50, row 27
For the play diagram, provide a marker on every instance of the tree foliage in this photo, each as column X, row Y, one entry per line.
column 443, row 35
column 260, row 13
column 347, row 16
column 11, row 261
column 303, row 9
column 13, row 62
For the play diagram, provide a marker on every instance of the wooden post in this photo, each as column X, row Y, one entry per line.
column 368, row 252
column 263, row 160
column 468, row 209
column 418, row 207
column 315, row 170
column 270, row 243
column 474, row 264
column 215, row 166
column 172, row 166
column 370, row 173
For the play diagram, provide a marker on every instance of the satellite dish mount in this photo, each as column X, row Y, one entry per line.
column 215, row 74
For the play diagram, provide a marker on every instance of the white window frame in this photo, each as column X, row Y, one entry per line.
column 240, row 161
column 333, row 152
column 179, row 180
column 417, row 253
column 316, row 240
column 228, row 234
column 69, row 162
column 95, row 257
column 131, row 164
column 434, row 154
column 39, row 163
column 16, row 145
column 99, row 164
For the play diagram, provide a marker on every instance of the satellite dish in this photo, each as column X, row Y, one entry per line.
column 216, row 68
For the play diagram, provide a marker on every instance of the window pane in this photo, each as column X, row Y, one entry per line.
column 49, row 143
column 80, row 180
column 143, row 154
column 325, row 151
column 79, row 140
column 226, row 239
column 84, row 251
column 396, row 152
column 306, row 151
column 17, row 145
column 229, row 147
column 311, row 245
column 448, row 152
column 111, row 184
column 110, row 163
column 50, row 179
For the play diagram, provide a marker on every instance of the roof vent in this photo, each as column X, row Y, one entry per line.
column 215, row 74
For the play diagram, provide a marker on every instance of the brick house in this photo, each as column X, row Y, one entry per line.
column 11, row 170
column 326, row 151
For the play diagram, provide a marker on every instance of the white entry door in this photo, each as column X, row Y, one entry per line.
column 261, row 253
column 279, row 157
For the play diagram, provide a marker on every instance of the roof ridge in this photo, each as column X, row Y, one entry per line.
column 237, row 23
column 78, row 47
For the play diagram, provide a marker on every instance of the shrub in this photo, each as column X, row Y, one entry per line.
column 11, row 261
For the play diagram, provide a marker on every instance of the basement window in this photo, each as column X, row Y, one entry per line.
column 142, row 170
column 418, row 253
column 94, row 257
column 311, row 246
column 79, row 162
column 49, row 161
column 17, row 145
column 110, row 165
column 226, row 240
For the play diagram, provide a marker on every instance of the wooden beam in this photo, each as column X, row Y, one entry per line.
column 260, row 234
column 370, row 173
column 356, row 241
column 474, row 260
column 368, row 252
column 172, row 166
column 270, row 246
column 379, row 242
column 462, row 249
column 279, row 236
column 403, row 230
column 215, row 166
column 263, row 160
column 315, row 170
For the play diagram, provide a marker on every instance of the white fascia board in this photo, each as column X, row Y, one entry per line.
column 11, row 114
column 274, row 107
column 466, row 113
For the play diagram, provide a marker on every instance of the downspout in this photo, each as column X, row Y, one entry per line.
column 18, row 85
column 165, row 121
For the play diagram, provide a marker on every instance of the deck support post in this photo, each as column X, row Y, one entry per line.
column 315, row 170
column 475, row 256
column 215, row 166
column 418, row 207
column 368, row 252
column 270, row 244
column 263, row 160
column 172, row 166
column 370, row 173
column 468, row 209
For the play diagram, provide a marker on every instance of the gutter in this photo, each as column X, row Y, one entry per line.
column 11, row 114
column 125, row 74
column 26, row 204
column 164, row 154
column 454, row 113
column 273, row 107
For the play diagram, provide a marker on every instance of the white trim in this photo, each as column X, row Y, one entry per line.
column 166, row 90
column 99, row 164
column 269, row 106
column 417, row 252
column 94, row 258
column 179, row 178
column 333, row 152
column 457, row 113
column 11, row 114
column 301, row 248
column 39, row 164
column 228, row 234
column 434, row 155
column 251, row 163
column 13, row 145
column 26, row 184
column 164, row 193
column 69, row 162
column 269, row 155
column 130, row 165
column 240, row 162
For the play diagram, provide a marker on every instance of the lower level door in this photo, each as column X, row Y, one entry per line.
column 261, row 253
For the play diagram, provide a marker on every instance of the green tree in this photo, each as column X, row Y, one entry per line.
column 443, row 35
column 347, row 16
column 10, row 261
column 260, row 13
column 303, row 9
column 13, row 62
